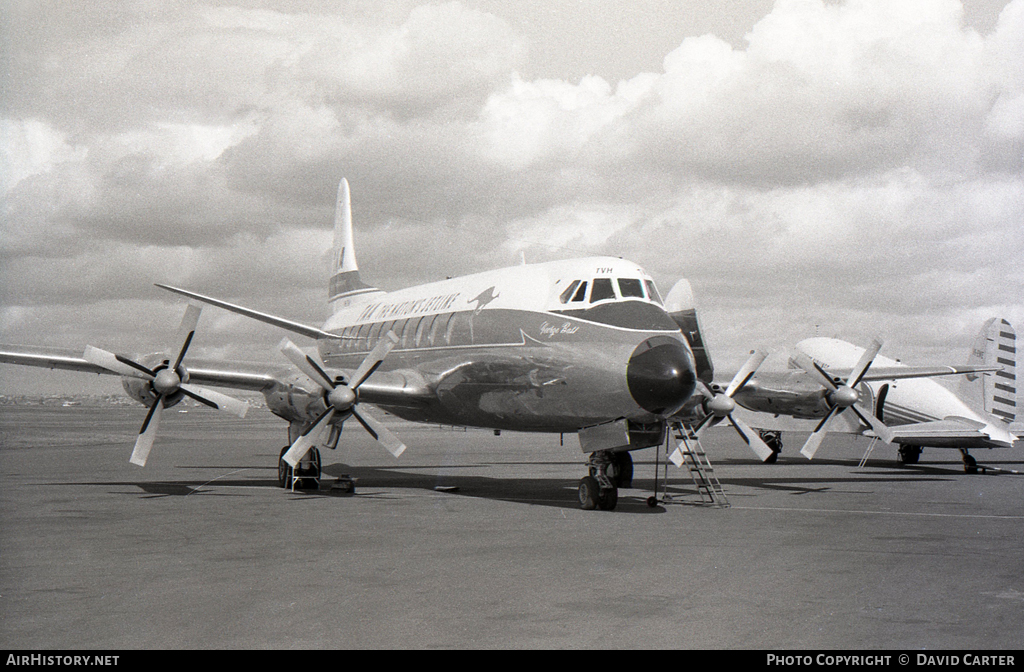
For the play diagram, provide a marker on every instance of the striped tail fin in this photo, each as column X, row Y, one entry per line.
column 996, row 345
column 345, row 285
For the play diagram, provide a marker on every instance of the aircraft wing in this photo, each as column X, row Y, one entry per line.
column 237, row 375
column 951, row 432
column 48, row 358
column 900, row 372
column 845, row 424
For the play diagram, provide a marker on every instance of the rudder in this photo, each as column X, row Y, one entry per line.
column 996, row 345
column 345, row 283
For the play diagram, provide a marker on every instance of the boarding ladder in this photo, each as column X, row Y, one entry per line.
column 701, row 471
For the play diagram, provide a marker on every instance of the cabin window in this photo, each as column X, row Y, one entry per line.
column 652, row 291
column 564, row 298
column 439, row 328
column 371, row 340
column 411, row 332
column 423, row 328
column 362, row 342
column 629, row 287
column 449, row 329
column 602, row 290
column 581, row 293
column 460, row 329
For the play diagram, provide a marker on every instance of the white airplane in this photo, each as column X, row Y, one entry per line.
column 891, row 401
column 582, row 346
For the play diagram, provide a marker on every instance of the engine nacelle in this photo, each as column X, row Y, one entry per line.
column 142, row 390
column 295, row 398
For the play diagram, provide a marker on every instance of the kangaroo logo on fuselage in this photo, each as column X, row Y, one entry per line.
column 483, row 299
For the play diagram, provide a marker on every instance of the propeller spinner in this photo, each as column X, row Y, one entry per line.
column 840, row 396
column 166, row 381
column 341, row 398
column 720, row 406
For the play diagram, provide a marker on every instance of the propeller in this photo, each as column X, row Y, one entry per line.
column 840, row 396
column 341, row 398
column 720, row 406
column 166, row 382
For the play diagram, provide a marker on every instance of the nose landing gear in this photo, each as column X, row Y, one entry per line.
column 608, row 472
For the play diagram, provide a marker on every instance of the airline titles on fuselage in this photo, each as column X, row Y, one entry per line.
column 383, row 311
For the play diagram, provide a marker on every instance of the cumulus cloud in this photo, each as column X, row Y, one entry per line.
column 853, row 164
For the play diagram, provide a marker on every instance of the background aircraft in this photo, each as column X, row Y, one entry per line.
column 581, row 346
column 897, row 403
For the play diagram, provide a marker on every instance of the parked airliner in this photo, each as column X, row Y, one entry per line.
column 896, row 403
column 582, row 346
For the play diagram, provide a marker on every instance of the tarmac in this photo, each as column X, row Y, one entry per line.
column 476, row 541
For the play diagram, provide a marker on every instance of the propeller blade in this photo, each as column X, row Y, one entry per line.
column 705, row 422
column 187, row 331
column 865, row 363
column 880, row 428
column 374, row 359
column 116, row 363
column 307, row 364
column 751, row 438
column 221, row 402
column 818, row 435
column 148, row 433
column 746, row 372
column 811, row 367
column 307, row 439
column 382, row 434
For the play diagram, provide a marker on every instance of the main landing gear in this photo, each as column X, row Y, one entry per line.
column 608, row 472
column 773, row 439
column 970, row 464
column 908, row 455
column 306, row 476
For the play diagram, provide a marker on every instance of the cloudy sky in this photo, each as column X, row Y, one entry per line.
column 846, row 168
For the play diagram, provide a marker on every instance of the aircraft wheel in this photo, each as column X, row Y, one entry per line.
column 607, row 498
column 773, row 439
column 652, row 501
column 970, row 465
column 908, row 455
column 589, row 493
column 622, row 470
column 284, row 470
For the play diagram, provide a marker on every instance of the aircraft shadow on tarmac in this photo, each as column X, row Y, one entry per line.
column 558, row 492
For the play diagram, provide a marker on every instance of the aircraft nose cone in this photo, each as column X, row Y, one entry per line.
column 660, row 375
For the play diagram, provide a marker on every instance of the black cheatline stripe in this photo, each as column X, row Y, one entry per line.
column 1012, row 337
column 1008, row 348
column 1004, row 374
column 1008, row 362
column 1006, row 388
column 1003, row 414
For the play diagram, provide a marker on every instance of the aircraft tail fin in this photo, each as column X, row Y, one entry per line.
column 996, row 345
column 345, row 283
column 682, row 307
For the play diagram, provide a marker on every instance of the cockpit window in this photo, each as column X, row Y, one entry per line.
column 652, row 291
column 581, row 293
column 602, row 290
column 630, row 287
column 568, row 291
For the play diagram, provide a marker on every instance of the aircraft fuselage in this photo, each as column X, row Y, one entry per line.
column 528, row 347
